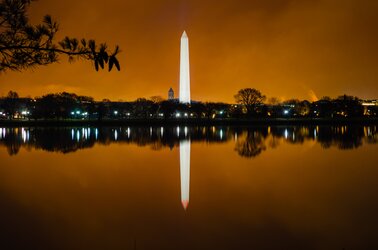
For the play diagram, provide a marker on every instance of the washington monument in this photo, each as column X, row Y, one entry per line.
column 184, row 70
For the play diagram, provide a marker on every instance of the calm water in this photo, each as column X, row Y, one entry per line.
column 189, row 188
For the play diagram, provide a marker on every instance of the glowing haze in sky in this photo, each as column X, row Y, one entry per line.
column 285, row 48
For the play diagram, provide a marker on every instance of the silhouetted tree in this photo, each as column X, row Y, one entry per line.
column 143, row 108
column 274, row 101
column 250, row 98
column 11, row 103
column 251, row 143
column 198, row 109
column 23, row 45
column 168, row 108
column 348, row 106
column 156, row 99
column 326, row 98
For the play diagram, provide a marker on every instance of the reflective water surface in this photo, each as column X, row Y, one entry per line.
column 289, row 187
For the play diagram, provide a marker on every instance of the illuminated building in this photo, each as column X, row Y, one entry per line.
column 184, row 70
column 171, row 94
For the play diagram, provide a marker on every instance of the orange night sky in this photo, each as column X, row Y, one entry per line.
column 285, row 48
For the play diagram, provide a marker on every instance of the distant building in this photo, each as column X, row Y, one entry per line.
column 171, row 94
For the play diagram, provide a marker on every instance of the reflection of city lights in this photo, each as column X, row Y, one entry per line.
column 115, row 135
column 23, row 135
column 128, row 132
column 221, row 134
column 161, row 131
column 286, row 134
column 77, row 135
column 178, row 131
column 1, row 133
column 186, row 131
column 72, row 134
column 96, row 133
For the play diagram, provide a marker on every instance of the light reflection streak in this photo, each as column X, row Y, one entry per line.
column 23, row 135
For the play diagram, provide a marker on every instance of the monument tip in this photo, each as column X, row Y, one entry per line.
column 184, row 34
column 185, row 204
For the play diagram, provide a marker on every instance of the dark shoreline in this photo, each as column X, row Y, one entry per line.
column 193, row 122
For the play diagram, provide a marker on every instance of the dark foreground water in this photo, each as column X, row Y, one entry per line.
column 312, row 187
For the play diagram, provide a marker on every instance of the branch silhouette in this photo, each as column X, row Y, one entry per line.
column 23, row 45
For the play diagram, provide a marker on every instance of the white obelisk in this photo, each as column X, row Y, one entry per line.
column 184, row 70
column 185, row 172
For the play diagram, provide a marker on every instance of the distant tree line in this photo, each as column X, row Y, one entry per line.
column 249, row 103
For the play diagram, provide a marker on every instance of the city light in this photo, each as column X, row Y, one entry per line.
column 115, row 112
column 178, row 115
column 286, row 112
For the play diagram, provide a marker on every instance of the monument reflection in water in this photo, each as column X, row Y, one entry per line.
column 185, row 172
